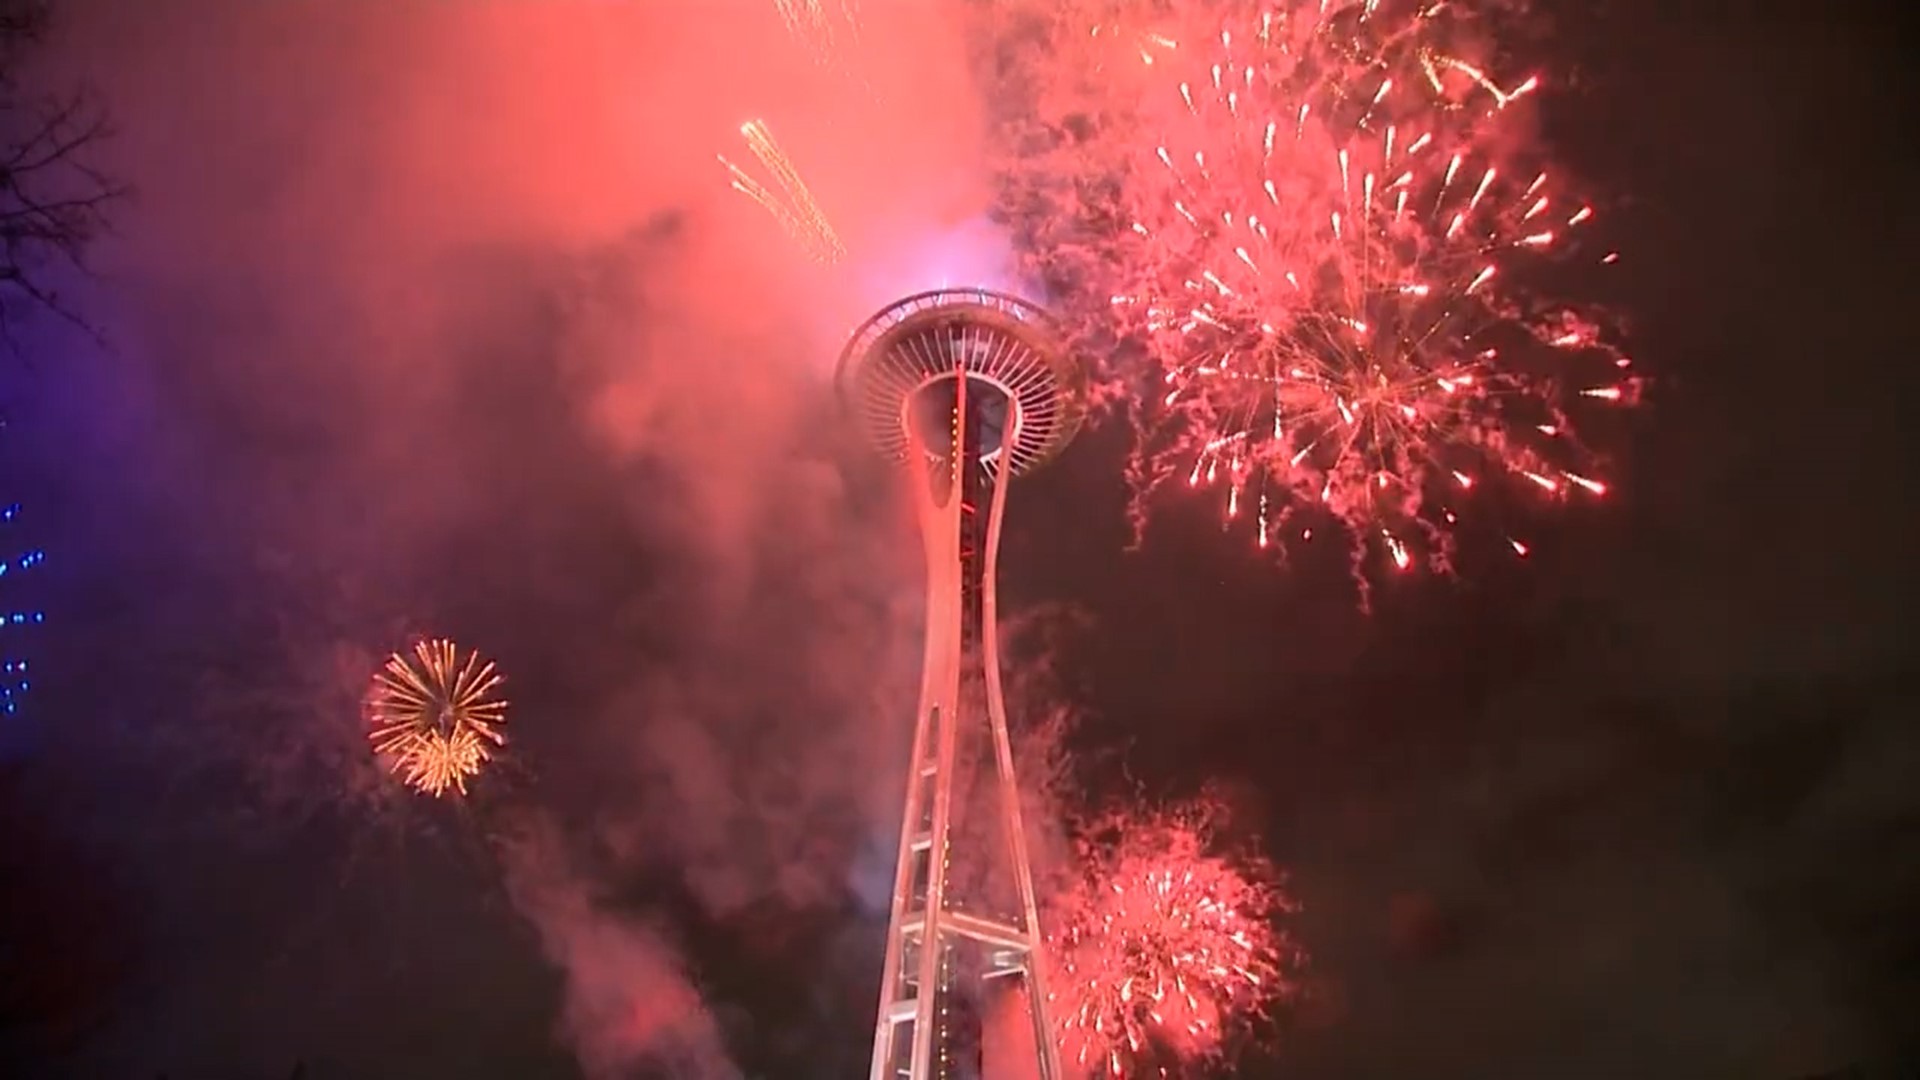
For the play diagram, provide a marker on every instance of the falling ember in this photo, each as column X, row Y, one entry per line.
column 1331, row 264
column 1594, row 486
column 1164, row 947
column 433, row 715
column 794, row 206
column 1398, row 550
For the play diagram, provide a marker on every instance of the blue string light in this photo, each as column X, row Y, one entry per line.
column 17, row 616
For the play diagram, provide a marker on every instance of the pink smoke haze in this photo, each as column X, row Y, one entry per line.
column 357, row 145
column 353, row 219
column 628, row 1000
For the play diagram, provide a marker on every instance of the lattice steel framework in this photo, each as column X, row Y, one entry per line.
column 968, row 389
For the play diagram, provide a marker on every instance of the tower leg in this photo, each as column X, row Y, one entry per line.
column 1015, row 825
column 910, row 988
column 934, row 939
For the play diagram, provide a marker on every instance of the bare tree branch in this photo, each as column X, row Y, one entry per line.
column 54, row 204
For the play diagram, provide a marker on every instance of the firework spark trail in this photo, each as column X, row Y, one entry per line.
column 821, row 26
column 1164, row 948
column 1326, row 258
column 800, row 15
column 795, row 208
column 1147, row 45
column 434, row 716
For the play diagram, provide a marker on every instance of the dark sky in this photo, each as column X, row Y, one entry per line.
column 432, row 318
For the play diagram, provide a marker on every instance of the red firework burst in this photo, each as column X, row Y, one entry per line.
column 1163, row 948
column 1328, row 258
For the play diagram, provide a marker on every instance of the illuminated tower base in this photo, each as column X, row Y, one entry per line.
column 966, row 389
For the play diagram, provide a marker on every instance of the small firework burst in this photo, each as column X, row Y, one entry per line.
column 434, row 716
column 1165, row 947
column 1328, row 254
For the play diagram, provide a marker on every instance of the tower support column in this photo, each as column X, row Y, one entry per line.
column 966, row 390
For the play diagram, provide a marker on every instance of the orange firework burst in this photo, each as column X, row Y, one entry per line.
column 434, row 716
column 1328, row 258
column 1164, row 947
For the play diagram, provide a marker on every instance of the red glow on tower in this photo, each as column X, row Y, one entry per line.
column 966, row 389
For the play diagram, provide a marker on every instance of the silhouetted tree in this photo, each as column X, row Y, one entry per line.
column 53, row 202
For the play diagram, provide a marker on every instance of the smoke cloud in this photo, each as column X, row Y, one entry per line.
column 629, row 1002
column 440, row 317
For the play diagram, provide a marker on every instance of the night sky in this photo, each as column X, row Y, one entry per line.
column 437, row 317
